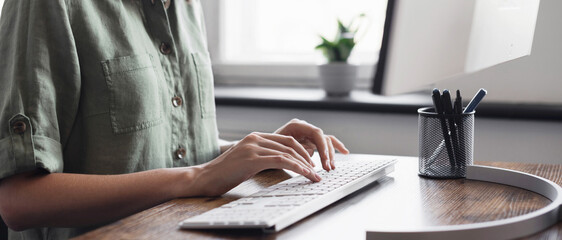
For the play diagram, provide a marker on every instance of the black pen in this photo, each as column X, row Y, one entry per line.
column 436, row 96
column 448, row 110
column 460, row 130
column 458, row 103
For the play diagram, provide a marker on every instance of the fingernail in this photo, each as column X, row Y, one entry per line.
column 317, row 176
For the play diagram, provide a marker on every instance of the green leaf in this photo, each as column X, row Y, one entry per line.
column 340, row 49
column 344, row 48
column 342, row 28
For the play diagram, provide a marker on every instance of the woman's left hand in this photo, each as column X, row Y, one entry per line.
column 313, row 138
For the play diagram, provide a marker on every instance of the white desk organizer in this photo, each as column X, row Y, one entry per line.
column 510, row 228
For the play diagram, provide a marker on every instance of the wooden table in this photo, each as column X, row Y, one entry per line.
column 400, row 199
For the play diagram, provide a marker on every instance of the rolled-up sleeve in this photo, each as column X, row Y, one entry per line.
column 39, row 85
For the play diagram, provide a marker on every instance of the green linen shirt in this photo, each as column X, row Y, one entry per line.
column 103, row 87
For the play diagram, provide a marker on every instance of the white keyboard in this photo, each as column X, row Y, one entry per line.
column 287, row 202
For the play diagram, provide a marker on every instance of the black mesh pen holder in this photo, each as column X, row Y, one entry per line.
column 445, row 143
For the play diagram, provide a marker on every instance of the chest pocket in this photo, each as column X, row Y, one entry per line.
column 205, row 84
column 134, row 89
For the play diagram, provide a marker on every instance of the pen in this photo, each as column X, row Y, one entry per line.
column 435, row 154
column 460, row 134
column 436, row 97
column 460, row 130
column 458, row 103
column 448, row 108
column 458, row 110
column 475, row 100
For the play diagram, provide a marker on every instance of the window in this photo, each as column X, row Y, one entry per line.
column 271, row 40
column 287, row 31
column 1, row 6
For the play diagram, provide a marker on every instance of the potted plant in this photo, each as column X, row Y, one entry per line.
column 337, row 76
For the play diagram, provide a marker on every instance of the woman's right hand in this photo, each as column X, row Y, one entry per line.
column 252, row 154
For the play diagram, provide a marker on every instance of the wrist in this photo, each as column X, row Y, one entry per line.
column 225, row 145
column 186, row 182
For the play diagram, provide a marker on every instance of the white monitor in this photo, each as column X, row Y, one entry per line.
column 426, row 41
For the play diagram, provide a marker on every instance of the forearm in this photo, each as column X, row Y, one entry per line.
column 70, row 200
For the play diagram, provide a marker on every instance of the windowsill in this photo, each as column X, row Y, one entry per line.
column 364, row 101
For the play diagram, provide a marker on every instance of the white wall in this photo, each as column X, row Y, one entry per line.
column 397, row 134
column 536, row 78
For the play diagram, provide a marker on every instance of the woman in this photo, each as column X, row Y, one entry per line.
column 107, row 108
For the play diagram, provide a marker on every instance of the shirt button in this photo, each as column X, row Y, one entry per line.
column 180, row 153
column 19, row 127
column 165, row 48
column 176, row 101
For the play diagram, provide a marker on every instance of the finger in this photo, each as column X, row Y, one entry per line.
column 283, row 129
column 303, row 130
column 318, row 139
column 286, row 144
column 284, row 161
column 338, row 145
column 267, row 152
column 330, row 163
column 265, row 147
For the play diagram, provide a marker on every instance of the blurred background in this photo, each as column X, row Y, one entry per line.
column 263, row 50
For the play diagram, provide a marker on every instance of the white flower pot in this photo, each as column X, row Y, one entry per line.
column 337, row 79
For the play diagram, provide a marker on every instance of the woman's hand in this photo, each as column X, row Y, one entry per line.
column 252, row 154
column 313, row 138
column 290, row 147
